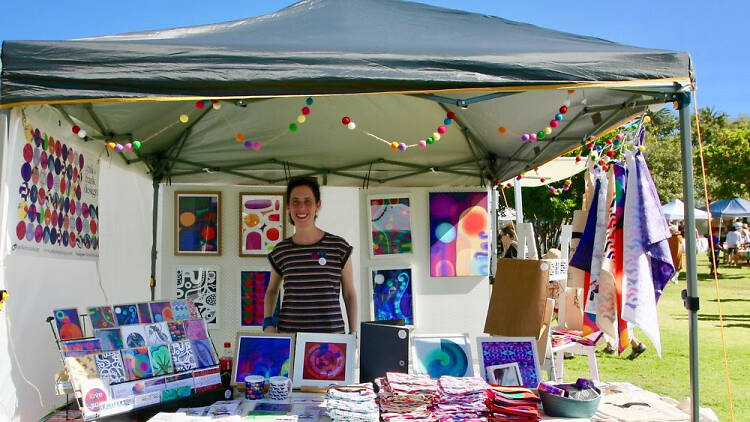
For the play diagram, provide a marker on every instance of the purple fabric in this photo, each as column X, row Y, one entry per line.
column 582, row 257
column 656, row 231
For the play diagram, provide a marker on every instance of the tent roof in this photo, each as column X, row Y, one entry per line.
column 675, row 210
column 490, row 71
column 734, row 207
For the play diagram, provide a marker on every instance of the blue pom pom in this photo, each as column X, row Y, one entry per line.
column 447, row 121
column 309, row 101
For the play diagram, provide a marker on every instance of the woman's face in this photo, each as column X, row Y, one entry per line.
column 303, row 206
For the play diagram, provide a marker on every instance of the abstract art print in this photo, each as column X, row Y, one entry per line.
column 110, row 367
column 494, row 351
column 180, row 310
column 158, row 333
column 200, row 284
column 161, row 360
column 80, row 347
column 102, row 317
column 205, row 355
column 459, row 234
column 126, row 314
column 323, row 359
column 183, row 356
column 390, row 225
column 144, row 313
column 507, row 374
column 176, row 330
column 137, row 363
column 253, row 285
column 81, row 368
column 134, row 336
column 161, row 311
column 261, row 222
column 442, row 354
column 197, row 223
column 110, row 338
column 195, row 329
column 264, row 354
column 391, row 291
column 68, row 323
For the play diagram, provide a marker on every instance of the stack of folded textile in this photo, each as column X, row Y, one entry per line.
column 461, row 399
column 352, row 403
column 405, row 397
column 513, row 404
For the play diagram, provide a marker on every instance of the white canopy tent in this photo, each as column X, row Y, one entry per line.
column 675, row 210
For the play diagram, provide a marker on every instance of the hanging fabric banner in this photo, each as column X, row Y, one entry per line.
column 53, row 179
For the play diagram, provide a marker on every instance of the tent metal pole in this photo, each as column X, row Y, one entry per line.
column 518, row 202
column 154, row 231
column 690, row 296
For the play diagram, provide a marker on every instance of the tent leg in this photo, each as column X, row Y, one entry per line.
column 154, row 231
column 518, row 202
column 690, row 296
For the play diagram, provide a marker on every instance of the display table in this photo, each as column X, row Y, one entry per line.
column 620, row 402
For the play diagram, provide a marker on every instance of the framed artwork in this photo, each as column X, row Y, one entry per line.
column 68, row 323
column 253, row 285
column 262, row 217
column 459, row 234
column 197, row 223
column 199, row 283
column 265, row 354
column 507, row 374
column 391, row 293
column 126, row 314
column 390, row 225
column 494, row 351
column 442, row 354
column 323, row 359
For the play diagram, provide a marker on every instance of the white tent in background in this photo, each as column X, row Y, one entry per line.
column 552, row 171
column 675, row 210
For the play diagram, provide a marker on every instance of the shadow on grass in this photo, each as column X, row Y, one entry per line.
column 715, row 317
column 706, row 277
column 736, row 326
column 730, row 300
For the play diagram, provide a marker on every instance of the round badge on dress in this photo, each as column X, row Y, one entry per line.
column 322, row 261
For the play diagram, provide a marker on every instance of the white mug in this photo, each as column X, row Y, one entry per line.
column 279, row 388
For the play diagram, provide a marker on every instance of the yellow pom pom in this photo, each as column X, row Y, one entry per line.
column 436, row 136
column 641, row 148
column 548, row 130
column 301, row 118
column 647, row 119
column 184, row 118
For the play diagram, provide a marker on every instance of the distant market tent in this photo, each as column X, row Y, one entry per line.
column 675, row 210
column 735, row 207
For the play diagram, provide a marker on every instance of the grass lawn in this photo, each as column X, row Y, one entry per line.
column 670, row 375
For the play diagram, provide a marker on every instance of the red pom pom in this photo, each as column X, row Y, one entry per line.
column 563, row 109
column 578, row 158
column 451, row 115
column 346, row 120
column 199, row 104
column 76, row 129
column 214, row 101
column 305, row 110
column 543, row 179
column 611, row 153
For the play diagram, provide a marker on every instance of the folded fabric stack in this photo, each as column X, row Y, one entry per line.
column 405, row 397
column 461, row 399
column 563, row 336
column 513, row 404
column 352, row 403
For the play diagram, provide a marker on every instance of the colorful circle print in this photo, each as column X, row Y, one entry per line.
column 325, row 361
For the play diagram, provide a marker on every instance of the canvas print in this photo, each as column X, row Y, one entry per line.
column 495, row 351
column 161, row 360
column 195, row 329
column 126, row 314
column 253, row 285
column 176, row 330
column 459, row 234
column 261, row 222
column 144, row 313
column 134, row 336
column 102, row 317
column 183, row 356
column 507, row 374
column 110, row 338
column 263, row 354
column 81, row 368
column 137, row 363
column 197, row 223
column 81, row 347
column 158, row 334
column 442, row 354
column 161, row 311
column 68, row 323
column 200, row 283
column 180, row 310
column 323, row 359
column 110, row 367
column 204, row 353
column 390, row 225
column 392, row 294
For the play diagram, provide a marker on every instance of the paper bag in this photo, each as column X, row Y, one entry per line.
column 518, row 299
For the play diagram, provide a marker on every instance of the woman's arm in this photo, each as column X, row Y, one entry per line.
column 350, row 295
column 271, row 298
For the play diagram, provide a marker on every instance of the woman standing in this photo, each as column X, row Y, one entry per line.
column 315, row 267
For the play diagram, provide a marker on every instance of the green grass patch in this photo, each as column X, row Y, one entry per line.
column 670, row 374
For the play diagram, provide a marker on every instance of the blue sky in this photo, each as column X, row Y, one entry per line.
column 713, row 32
